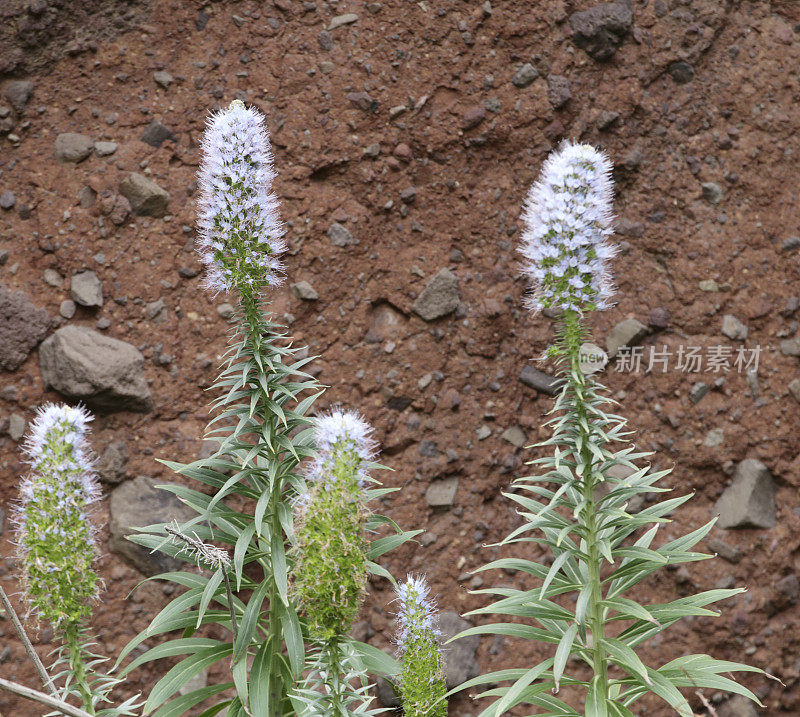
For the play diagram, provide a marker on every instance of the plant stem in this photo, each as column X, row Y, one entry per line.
column 574, row 335
column 77, row 666
column 42, row 698
column 255, row 338
column 47, row 681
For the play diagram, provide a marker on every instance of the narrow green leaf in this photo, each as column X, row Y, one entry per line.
column 563, row 652
column 208, row 594
column 181, row 673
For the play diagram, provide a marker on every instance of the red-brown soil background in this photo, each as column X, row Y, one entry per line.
column 735, row 123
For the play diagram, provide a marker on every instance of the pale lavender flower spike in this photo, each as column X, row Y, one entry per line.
column 241, row 234
column 72, row 423
column 58, row 425
column 417, row 608
column 568, row 220
column 346, row 431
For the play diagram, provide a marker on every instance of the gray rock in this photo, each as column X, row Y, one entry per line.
column 525, row 75
column 439, row 298
column 73, row 147
column 22, row 327
column 794, row 389
column 727, row 552
column 304, row 290
column 112, row 464
column 712, row 192
column 163, row 78
column 137, row 504
column 86, row 289
column 52, row 278
column 559, row 91
column 372, row 151
column 146, row 197
column 515, row 436
column 460, row 662
column 226, row 311
column 626, row 333
column 538, row 380
column 106, row 373
column 67, row 308
column 682, row 72
column 18, row 92
column 698, row 391
column 715, row 437
column 386, row 692
column 737, row 706
column 733, row 328
column 708, row 285
column 16, row 426
column 155, row 310
column 749, row 501
column 605, row 119
column 790, row 244
column 105, row 149
column 600, row 30
column 790, row 347
column 7, row 199
column 483, row 432
column 340, row 236
column 155, row 134
column 2, row 521
column 346, row 19
column 442, row 493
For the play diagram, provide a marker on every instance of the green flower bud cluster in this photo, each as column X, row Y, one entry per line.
column 330, row 550
column 422, row 680
column 55, row 536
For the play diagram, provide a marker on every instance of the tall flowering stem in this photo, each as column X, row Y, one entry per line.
column 331, row 553
column 422, row 679
column 261, row 427
column 578, row 507
column 55, row 535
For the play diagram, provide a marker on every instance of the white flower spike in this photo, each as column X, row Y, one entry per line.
column 568, row 218
column 343, row 434
column 241, row 234
column 55, row 535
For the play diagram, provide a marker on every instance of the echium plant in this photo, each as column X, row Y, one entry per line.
column 421, row 679
column 57, row 549
column 579, row 507
column 331, row 563
column 242, row 532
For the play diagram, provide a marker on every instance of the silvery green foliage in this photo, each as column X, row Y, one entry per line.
column 421, row 679
column 336, row 685
column 57, row 546
column 255, row 475
column 580, row 509
column 332, row 561
column 55, row 533
column 241, row 235
column 567, row 217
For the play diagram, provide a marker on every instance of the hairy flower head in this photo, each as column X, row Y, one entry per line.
column 55, row 535
column 346, row 437
column 421, row 680
column 330, row 548
column 241, row 235
column 567, row 216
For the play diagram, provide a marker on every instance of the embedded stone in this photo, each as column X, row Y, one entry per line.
column 145, row 196
column 105, row 373
column 749, row 501
column 439, row 298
